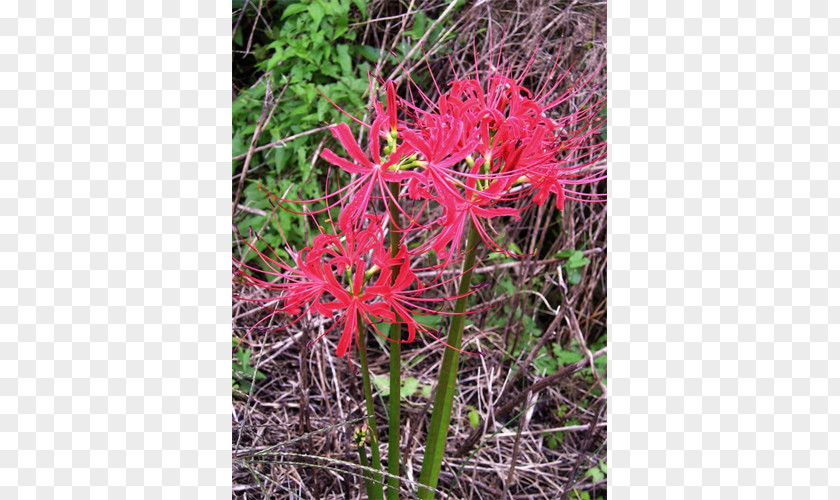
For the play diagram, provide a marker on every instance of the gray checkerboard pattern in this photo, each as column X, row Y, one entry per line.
column 114, row 170
column 725, row 232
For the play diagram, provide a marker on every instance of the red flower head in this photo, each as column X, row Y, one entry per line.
column 335, row 278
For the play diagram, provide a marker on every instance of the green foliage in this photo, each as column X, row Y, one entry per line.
column 473, row 416
column 582, row 495
column 603, row 115
column 426, row 390
column 309, row 58
column 598, row 472
column 429, row 320
column 572, row 266
column 243, row 372
column 408, row 386
column 554, row 440
column 600, row 362
column 547, row 364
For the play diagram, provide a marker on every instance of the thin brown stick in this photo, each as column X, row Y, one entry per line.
column 282, row 141
column 265, row 116
column 515, row 454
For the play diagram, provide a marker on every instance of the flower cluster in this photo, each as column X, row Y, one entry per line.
column 481, row 151
column 336, row 275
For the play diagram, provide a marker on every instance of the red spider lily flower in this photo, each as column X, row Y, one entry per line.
column 391, row 96
column 512, row 140
column 440, row 153
column 373, row 173
column 481, row 205
column 312, row 284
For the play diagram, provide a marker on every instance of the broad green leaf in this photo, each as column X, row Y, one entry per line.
column 370, row 53
column 343, row 59
column 429, row 320
column 316, row 10
column 330, row 70
column 409, row 387
column 596, row 473
column 340, row 28
column 544, row 363
column 419, row 28
column 577, row 260
column 566, row 357
column 362, row 5
column 383, row 384
column 293, row 9
column 601, row 364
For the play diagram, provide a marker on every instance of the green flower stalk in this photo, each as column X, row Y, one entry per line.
column 394, row 362
column 436, row 442
column 374, row 484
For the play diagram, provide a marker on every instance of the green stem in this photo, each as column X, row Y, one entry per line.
column 436, row 442
column 395, row 349
column 363, row 461
column 375, row 489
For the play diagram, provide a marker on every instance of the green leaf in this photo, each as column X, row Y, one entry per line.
column 409, row 387
column 545, row 365
column 566, row 357
column 316, row 10
column 370, row 53
column 577, row 260
column 243, row 372
column 426, row 391
column 601, row 364
column 303, row 162
column 429, row 320
column 293, row 9
column 474, row 418
column 507, row 284
column 596, row 473
column 344, row 59
column 362, row 5
column 419, row 28
column 383, row 383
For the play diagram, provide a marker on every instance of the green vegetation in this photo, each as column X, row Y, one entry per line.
column 304, row 59
column 243, row 372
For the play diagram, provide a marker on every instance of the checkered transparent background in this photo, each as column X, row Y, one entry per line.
column 723, row 249
column 114, row 185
